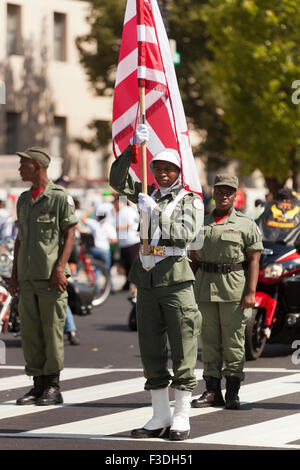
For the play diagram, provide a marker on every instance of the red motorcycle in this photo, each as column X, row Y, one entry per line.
column 276, row 315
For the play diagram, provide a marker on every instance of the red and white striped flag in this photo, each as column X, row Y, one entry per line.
column 146, row 60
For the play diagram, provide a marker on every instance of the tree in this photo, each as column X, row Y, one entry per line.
column 256, row 61
column 99, row 52
column 201, row 99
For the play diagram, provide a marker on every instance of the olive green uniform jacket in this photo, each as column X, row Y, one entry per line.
column 219, row 295
column 183, row 228
column 166, row 307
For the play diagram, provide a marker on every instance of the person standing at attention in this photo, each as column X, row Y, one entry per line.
column 46, row 227
column 226, row 268
column 166, row 307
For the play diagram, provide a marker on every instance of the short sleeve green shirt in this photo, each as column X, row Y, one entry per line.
column 226, row 243
column 41, row 223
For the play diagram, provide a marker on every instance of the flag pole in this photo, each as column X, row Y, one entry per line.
column 144, row 144
column 144, row 171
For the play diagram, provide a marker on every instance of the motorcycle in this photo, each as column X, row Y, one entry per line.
column 276, row 315
column 90, row 283
column 9, row 318
column 88, row 287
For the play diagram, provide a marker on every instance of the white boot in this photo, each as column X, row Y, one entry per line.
column 159, row 424
column 180, row 426
column 161, row 409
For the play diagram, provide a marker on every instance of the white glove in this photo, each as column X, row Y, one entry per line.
column 146, row 203
column 142, row 134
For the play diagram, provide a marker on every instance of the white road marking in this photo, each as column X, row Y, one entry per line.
column 109, row 426
column 273, row 433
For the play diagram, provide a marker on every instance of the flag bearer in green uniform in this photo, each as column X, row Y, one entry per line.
column 226, row 277
column 166, row 307
column 46, row 226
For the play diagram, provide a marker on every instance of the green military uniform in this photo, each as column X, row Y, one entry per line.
column 41, row 223
column 166, row 305
column 220, row 285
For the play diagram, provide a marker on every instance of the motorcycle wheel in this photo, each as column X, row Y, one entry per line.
column 103, row 285
column 255, row 338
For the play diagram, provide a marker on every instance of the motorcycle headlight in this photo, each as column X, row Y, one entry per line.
column 273, row 271
column 5, row 265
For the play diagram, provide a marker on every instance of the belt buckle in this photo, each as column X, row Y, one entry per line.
column 159, row 250
column 226, row 268
column 219, row 268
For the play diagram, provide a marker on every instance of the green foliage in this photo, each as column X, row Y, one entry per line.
column 99, row 49
column 257, row 58
column 201, row 100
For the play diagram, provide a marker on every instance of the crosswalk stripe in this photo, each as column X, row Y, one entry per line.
column 8, row 409
column 77, row 396
column 19, row 381
column 273, row 433
column 105, row 426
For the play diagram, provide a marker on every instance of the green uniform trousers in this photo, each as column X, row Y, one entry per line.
column 223, row 338
column 168, row 313
column 42, row 314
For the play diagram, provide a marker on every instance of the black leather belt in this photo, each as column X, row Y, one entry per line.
column 221, row 268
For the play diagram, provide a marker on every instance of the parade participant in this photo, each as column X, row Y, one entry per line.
column 226, row 277
column 166, row 307
column 46, row 226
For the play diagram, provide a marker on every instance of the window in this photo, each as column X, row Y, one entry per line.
column 12, row 132
column 58, row 139
column 59, row 31
column 13, row 29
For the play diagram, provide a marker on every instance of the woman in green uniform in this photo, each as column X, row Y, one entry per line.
column 166, row 307
column 226, row 268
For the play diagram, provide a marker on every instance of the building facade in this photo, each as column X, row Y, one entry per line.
column 45, row 97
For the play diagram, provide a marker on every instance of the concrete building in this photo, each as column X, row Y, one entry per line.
column 45, row 97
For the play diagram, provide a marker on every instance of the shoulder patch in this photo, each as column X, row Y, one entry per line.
column 197, row 203
column 70, row 200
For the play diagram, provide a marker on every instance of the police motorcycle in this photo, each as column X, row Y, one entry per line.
column 276, row 315
column 9, row 318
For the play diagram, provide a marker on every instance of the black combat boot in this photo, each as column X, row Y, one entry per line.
column 51, row 394
column 231, row 395
column 32, row 396
column 212, row 395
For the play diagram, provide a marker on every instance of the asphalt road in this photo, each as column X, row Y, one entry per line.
column 102, row 385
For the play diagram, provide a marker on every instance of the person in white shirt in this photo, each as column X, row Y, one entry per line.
column 126, row 221
column 6, row 221
column 104, row 234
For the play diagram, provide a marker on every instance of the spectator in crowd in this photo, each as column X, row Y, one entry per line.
column 6, row 221
column 258, row 209
column 103, row 232
column 126, row 221
column 70, row 326
column 240, row 198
